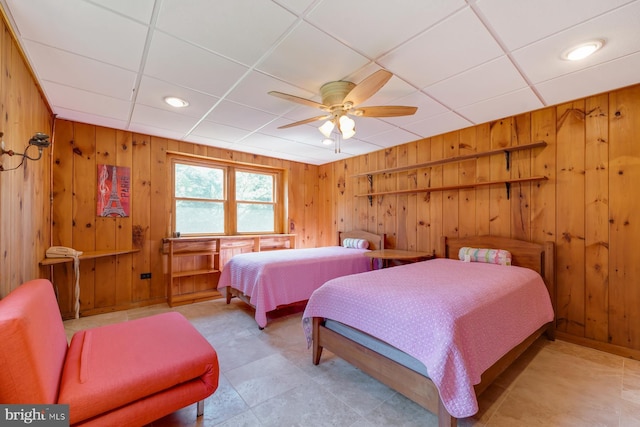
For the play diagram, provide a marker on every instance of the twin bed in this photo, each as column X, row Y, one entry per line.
column 273, row 279
column 439, row 331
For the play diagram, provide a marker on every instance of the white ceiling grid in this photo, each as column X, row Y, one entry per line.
column 461, row 62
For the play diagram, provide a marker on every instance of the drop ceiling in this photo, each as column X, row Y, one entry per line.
column 111, row 63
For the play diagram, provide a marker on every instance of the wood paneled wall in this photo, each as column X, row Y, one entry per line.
column 113, row 283
column 589, row 206
column 24, row 192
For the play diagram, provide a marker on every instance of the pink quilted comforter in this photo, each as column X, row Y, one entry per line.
column 457, row 318
column 282, row 277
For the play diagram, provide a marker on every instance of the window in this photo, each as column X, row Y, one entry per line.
column 215, row 197
column 255, row 202
column 199, row 199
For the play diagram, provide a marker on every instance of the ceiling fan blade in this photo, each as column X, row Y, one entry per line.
column 385, row 111
column 305, row 121
column 303, row 101
column 366, row 88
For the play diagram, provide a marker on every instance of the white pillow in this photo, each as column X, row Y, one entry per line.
column 491, row 256
column 355, row 243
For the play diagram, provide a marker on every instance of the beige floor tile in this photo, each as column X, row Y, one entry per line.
column 265, row 378
column 306, row 405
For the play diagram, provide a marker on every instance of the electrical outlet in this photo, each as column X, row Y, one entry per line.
column 145, row 276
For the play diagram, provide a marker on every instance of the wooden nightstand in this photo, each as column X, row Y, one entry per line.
column 403, row 257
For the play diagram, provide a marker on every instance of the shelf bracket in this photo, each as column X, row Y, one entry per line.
column 507, row 156
column 508, row 187
column 370, row 179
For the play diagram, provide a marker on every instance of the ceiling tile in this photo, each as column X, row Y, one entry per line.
column 483, row 82
column 439, row 124
column 239, row 116
column 186, row 65
column 454, row 45
column 161, row 119
column 508, row 104
column 305, row 133
column 81, row 72
column 84, row 117
column 253, row 90
column 340, row 18
column 394, row 136
column 81, row 28
column 296, row 6
column 227, row 27
column 519, row 23
column 218, row 131
column 155, row 131
column 427, row 107
column 620, row 30
column 88, row 102
column 140, row 10
column 621, row 72
column 356, row 147
column 309, row 58
column 152, row 92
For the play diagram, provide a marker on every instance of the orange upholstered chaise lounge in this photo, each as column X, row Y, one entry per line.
column 125, row 374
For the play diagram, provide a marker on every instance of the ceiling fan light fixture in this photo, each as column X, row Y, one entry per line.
column 327, row 128
column 347, row 127
column 582, row 50
column 176, row 102
column 328, row 141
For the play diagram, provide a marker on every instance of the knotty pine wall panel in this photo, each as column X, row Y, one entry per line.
column 24, row 192
column 597, row 218
column 624, row 218
column 570, row 190
column 588, row 206
column 113, row 283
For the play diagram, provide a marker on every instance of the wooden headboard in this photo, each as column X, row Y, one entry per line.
column 538, row 257
column 376, row 241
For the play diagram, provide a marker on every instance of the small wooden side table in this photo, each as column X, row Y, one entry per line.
column 387, row 255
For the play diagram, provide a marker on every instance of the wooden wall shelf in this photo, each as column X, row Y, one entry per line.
column 87, row 255
column 507, row 183
column 506, row 151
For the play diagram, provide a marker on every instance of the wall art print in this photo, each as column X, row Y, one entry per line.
column 113, row 191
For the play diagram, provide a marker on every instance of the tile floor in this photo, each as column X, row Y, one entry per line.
column 267, row 379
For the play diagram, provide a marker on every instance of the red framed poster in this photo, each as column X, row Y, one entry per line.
column 113, row 191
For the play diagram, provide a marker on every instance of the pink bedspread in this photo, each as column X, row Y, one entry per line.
column 282, row 277
column 457, row 318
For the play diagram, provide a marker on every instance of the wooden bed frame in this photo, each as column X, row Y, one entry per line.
column 420, row 389
column 376, row 241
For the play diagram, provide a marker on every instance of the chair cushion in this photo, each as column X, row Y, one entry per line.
column 111, row 366
column 33, row 344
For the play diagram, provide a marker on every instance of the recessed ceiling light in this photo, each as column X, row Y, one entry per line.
column 582, row 50
column 175, row 102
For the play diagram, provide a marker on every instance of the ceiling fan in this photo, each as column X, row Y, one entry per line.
column 341, row 99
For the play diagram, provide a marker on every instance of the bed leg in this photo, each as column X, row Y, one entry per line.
column 317, row 349
column 444, row 417
column 551, row 332
column 228, row 295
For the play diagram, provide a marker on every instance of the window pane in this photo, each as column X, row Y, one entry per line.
column 254, row 187
column 253, row 218
column 199, row 182
column 199, row 217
